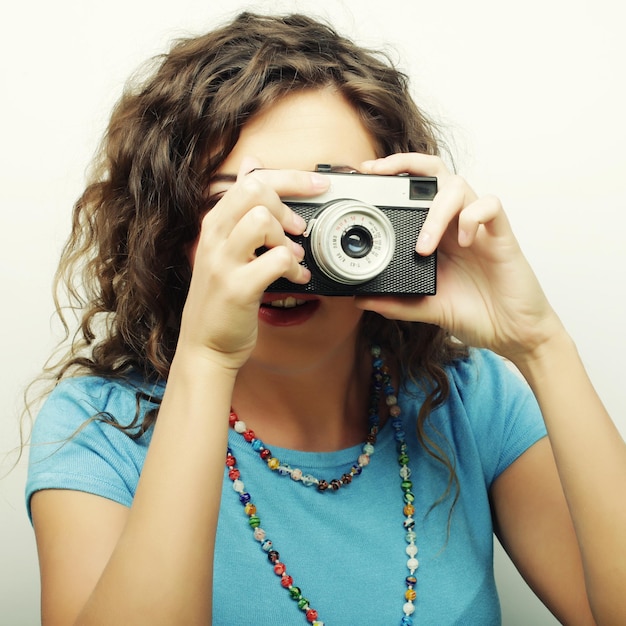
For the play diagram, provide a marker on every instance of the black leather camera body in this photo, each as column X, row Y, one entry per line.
column 360, row 236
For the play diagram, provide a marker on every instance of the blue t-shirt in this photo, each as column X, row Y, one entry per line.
column 344, row 549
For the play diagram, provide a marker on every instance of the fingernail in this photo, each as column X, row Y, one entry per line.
column 368, row 166
column 422, row 242
column 306, row 275
column 320, row 182
column 298, row 250
column 299, row 223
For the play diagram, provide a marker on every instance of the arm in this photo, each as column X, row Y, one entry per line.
column 488, row 296
column 591, row 460
column 102, row 562
column 533, row 524
column 169, row 533
column 152, row 564
column 589, row 546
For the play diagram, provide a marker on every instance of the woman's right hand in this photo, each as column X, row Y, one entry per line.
column 220, row 317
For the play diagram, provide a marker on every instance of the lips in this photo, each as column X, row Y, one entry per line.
column 286, row 309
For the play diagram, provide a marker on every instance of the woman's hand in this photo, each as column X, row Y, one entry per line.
column 487, row 294
column 229, row 278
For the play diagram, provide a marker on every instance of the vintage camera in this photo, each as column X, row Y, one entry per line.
column 360, row 236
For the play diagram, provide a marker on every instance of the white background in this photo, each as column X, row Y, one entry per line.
column 531, row 95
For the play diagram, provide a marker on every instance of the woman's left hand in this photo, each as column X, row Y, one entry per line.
column 487, row 294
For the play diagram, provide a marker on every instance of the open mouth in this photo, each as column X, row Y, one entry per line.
column 287, row 310
column 286, row 303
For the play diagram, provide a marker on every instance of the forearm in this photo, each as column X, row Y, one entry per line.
column 161, row 568
column 591, row 460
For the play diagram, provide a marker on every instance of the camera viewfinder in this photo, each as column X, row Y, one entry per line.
column 423, row 189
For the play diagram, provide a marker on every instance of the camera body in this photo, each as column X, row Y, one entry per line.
column 360, row 236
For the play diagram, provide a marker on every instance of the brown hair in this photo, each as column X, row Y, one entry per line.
column 124, row 265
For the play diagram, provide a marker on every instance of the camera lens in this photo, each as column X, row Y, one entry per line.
column 357, row 242
column 351, row 242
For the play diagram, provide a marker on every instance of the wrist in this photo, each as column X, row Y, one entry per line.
column 547, row 356
column 200, row 364
column 198, row 394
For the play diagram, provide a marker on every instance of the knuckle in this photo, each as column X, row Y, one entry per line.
column 251, row 187
column 457, row 184
column 495, row 203
column 206, row 225
column 284, row 256
column 438, row 162
column 437, row 166
column 260, row 216
column 282, row 259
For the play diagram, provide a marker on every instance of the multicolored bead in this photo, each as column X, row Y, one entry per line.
column 280, row 569
column 381, row 379
column 409, row 522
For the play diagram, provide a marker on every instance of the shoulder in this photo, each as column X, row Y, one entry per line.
column 481, row 380
column 77, row 442
column 491, row 391
column 482, row 370
column 481, row 374
column 76, row 400
column 490, row 410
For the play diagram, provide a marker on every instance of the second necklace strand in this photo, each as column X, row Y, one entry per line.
column 381, row 380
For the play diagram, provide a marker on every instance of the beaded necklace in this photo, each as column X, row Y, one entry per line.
column 381, row 380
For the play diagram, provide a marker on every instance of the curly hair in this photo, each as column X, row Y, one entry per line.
column 124, row 266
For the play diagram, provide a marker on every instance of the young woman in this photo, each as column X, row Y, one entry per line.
column 217, row 453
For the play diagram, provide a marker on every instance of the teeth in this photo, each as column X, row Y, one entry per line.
column 287, row 303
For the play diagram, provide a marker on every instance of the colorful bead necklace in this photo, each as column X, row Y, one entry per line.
column 381, row 380
column 308, row 480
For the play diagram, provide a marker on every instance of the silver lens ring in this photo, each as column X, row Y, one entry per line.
column 373, row 235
